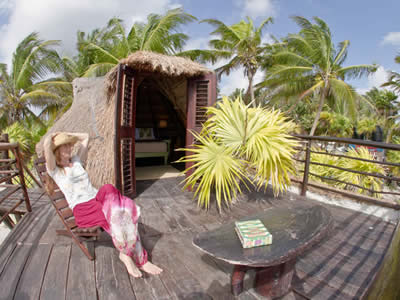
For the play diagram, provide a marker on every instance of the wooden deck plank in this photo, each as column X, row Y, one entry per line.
column 31, row 280
column 316, row 289
column 154, row 218
column 55, row 279
column 175, row 215
column 112, row 279
column 175, row 276
column 204, row 220
column 12, row 272
column 28, row 230
column 340, row 267
column 5, row 254
column 199, row 264
column 35, row 198
column 81, row 277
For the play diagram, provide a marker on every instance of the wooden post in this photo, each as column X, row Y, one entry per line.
column 306, row 168
column 22, row 178
column 4, row 154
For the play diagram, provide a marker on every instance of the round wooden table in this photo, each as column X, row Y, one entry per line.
column 294, row 230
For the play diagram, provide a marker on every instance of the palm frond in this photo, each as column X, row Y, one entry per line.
column 356, row 71
column 215, row 168
column 99, row 69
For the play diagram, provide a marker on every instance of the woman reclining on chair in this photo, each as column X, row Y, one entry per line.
column 116, row 214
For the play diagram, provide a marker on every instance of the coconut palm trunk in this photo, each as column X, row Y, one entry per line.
column 320, row 106
column 250, row 89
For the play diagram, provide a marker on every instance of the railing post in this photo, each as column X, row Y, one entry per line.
column 5, row 154
column 20, row 167
column 306, row 168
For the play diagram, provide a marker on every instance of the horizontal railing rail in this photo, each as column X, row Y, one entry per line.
column 304, row 157
column 11, row 169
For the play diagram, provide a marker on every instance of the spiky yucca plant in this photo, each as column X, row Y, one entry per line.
column 239, row 144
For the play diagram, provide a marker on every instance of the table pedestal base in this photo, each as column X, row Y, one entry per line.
column 270, row 282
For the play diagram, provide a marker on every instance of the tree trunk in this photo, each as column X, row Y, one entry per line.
column 320, row 106
column 250, row 89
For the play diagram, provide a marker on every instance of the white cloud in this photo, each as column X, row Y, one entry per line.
column 237, row 79
column 62, row 19
column 375, row 80
column 378, row 78
column 5, row 6
column 392, row 38
column 197, row 43
column 259, row 8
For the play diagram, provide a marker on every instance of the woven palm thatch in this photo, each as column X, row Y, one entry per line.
column 91, row 112
column 93, row 108
column 164, row 65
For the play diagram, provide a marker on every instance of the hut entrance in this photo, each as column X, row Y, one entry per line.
column 143, row 99
column 159, row 129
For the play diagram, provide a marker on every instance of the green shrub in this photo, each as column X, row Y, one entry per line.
column 346, row 177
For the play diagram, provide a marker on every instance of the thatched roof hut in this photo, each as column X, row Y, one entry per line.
column 96, row 100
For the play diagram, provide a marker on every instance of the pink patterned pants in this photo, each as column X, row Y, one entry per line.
column 118, row 215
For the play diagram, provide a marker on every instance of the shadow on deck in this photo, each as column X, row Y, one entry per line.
column 36, row 263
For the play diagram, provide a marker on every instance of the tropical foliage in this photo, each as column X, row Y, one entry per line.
column 239, row 144
column 242, row 44
column 348, row 180
column 22, row 88
column 334, row 124
column 27, row 135
column 308, row 65
column 394, row 81
column 394, row 157
column 102, row 49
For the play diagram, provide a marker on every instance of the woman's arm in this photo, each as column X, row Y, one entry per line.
column 48, row 152
column 83, row 147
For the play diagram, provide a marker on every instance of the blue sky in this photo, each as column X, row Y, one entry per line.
column 371, row 26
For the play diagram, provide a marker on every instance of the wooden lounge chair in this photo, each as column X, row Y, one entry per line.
column 59, row 202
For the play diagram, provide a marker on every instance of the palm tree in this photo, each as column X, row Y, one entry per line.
column 385, row 101
column 23, row 88
column 394, row 78
column 241, row 43
column 237, row 145
column 104, row 48
column 309, row 66
column 386, row 107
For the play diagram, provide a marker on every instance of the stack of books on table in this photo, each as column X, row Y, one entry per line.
column 253, row 233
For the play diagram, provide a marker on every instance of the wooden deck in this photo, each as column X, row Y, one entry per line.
column 35, row 263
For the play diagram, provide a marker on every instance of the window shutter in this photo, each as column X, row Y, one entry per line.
column 125, row 113
column 202, row 92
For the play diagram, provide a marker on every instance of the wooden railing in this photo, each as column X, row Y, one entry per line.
column 10, row 169
column 307, row 143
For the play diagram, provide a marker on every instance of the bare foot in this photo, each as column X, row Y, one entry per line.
column 130, row 265
column 151, row 269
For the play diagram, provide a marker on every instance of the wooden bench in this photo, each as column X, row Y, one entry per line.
column 293, row 230
column 78, row 234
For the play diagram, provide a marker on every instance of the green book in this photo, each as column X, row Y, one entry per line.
column 253, row 233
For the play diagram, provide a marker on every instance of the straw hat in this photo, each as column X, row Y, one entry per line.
column 63, row 138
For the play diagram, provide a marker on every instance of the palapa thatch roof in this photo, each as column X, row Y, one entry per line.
column 164, row 65
column 93, row 109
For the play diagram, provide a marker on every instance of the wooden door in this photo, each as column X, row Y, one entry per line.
column 202, row 92
column 125, row 114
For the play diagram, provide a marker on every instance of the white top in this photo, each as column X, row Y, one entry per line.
column 74, row 183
